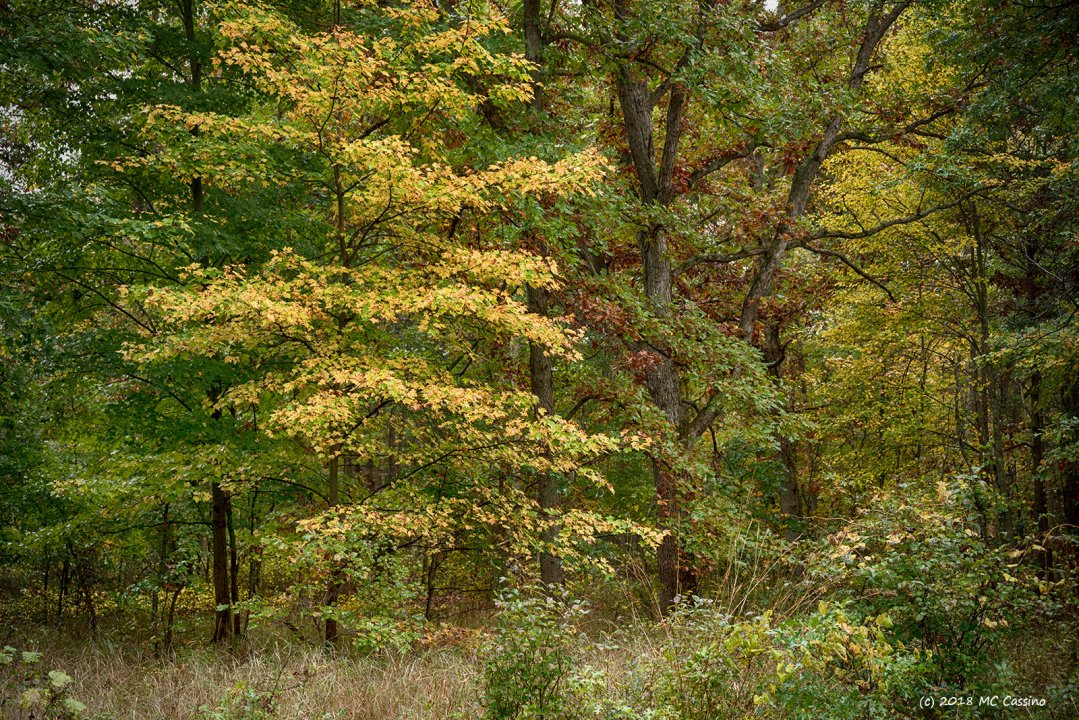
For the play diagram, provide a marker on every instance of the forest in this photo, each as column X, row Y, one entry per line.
column 539, row 359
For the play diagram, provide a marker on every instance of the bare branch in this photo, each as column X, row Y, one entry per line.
column 846, row 261
column 719, row 162
column 906, row 220
column 782, row 22
column 720, row 259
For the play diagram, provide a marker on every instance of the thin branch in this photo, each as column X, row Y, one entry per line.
column 108, row 301
column 846, row 261
column 296, row 485
column 908, row 129
column 784, row 21
column 719, row 162
column 170, row 393
column 906, row 220
column 579, row 405
column 705, row 417
column 720, row 259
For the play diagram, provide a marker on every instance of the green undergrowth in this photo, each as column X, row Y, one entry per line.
column 905, row 605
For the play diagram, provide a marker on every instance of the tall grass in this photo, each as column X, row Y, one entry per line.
column 281, row 681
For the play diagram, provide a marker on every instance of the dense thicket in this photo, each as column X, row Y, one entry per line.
column 346, row 318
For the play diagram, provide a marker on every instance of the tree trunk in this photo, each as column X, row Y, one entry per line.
column 675, row 567
column 162, row 580
column 534, row 47
column 194, row 81
column 1040, row 506
column 542, row 383
column 86, row 586
column 254, row 561
column 166, row 641
column 989, row 390
column 434, row 560
column 45, row 590
column 223, row 625
column 1040, row 502
column 334, row 589
column 234, row 568
column 677, row 575
column 65, row 578
column 1069, row 495
column 790, row 502
column 539, row 362
column 83, row 575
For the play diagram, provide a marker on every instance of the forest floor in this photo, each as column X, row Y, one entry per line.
column 286, row 680
column 270, row 675
column 275, row 678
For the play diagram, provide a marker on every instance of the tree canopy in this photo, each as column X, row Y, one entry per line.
column 349, row 317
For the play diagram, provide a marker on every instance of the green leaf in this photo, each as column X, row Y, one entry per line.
column 59, row 679
column 30, row 698
column 74, row 706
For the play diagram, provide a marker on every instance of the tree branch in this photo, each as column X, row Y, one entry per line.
column 906, row 220
column 719, row 162
column 846, row 261
column 720, row 259
column 782, row 22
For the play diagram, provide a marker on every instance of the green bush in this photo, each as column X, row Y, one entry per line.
column 839, row 664
column 31, row 692
column 529, row 659
column 921, row 560
column 830, row 663
column 711, row 666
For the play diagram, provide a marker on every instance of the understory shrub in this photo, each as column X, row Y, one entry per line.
column 529, row 659
column 710, row 665
column 27, row 690
column 921, row 560
column 706, row 664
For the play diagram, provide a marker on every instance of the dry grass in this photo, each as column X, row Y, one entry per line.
column 118, row 678
column 286, row 682
column 280, row 680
